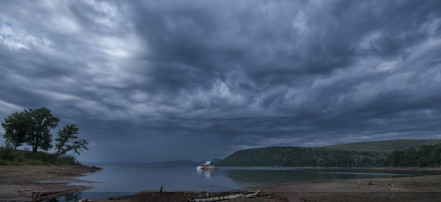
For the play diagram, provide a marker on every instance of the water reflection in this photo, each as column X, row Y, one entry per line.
column 265, row 176
column 262, row 176
column 138, row 178
column 208, row 173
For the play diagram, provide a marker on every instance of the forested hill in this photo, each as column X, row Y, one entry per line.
column 387, row 146
column 363, row 154
column 303, row 156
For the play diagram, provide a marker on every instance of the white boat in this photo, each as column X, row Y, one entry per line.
column 206, row 165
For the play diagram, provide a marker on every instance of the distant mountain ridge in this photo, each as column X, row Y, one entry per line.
column 146, row 164
column 360, row 154
column 176, row 163
column 170, row 163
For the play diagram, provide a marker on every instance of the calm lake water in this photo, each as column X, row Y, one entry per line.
column 120, row 180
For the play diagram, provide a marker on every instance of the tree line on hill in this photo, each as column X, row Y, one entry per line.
column 386, row 146
column 423, row 156
column 34, row 128
column 303, row 157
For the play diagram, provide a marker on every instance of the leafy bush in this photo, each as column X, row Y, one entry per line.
column 43, row 156
column 37, row 162
column 6, row 154
column 66, row 159
column 9, row 156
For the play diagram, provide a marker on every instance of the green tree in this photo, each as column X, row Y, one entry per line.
column 42, row 121
column 17, row 127
column 67, row 141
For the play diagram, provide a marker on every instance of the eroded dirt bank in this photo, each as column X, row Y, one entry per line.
column 26, row 183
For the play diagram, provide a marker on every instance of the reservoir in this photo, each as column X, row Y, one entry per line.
column 118, row 180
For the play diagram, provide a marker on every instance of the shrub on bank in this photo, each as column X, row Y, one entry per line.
column 37, row 162
column 67, row 159
column 9, row 156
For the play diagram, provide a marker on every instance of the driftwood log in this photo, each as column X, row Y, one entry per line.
column 221, row 198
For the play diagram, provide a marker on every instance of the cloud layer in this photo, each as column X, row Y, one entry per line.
column 169, row 79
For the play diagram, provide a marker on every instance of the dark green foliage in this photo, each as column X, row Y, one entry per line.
column 67, row 159
column 67, row 141
column 43, row 156
column 379, row 155
column 387, row 146
column 32, row 127
column 42, row 122
column 9, row 156
column 16, row 128
column 302, row 157
column 424, row 156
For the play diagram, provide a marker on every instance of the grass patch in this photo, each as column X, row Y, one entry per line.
column 9, row 156
column 37, row 162
column 67, row 159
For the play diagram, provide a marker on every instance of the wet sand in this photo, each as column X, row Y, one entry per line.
column 27, row 183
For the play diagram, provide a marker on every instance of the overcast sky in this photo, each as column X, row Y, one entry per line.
column 168, row 80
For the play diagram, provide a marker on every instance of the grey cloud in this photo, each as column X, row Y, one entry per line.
column 140, row 76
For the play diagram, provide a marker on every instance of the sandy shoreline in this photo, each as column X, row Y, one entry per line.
column 27, row 183
column 420, row 188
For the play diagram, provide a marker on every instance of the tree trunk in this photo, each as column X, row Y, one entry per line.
column 35, row 146
column 56, row 156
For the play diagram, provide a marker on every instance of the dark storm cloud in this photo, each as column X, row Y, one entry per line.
column 142, row 77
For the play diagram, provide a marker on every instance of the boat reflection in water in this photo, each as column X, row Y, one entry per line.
column 208, row 173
